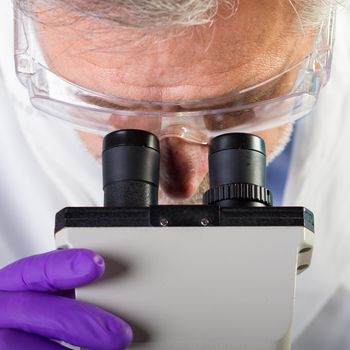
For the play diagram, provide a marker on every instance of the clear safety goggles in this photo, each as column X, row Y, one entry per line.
column 283, row 99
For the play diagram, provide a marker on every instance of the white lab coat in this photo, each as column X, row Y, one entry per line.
column 44, row 167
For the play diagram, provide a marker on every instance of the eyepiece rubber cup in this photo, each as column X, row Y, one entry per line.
column 130, row 137
column 239, row 141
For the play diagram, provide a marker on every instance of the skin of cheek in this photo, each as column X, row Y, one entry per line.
column 275, row 140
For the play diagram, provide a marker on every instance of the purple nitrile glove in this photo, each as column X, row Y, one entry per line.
column 31, row 314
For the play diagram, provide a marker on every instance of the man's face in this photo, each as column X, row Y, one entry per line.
column 258, row 42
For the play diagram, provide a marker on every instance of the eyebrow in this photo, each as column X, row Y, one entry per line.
column 264, row 92
column 101, row 102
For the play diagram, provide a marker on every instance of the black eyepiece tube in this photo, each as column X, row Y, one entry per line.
column 237, row 172
column 130, row 163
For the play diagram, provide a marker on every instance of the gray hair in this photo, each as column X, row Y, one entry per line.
column 160, row 14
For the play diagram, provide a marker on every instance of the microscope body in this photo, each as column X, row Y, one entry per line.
column 217, row 276
column 195, row 277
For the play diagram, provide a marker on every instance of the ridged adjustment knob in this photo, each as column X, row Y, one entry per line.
column 249, row 192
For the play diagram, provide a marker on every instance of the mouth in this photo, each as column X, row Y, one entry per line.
column 196, row 198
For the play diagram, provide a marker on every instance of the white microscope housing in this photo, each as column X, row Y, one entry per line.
column 198, row 277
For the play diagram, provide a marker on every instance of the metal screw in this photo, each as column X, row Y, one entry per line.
column 164, row 222
column 205, row 222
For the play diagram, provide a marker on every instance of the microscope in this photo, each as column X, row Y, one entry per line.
column 216, row 276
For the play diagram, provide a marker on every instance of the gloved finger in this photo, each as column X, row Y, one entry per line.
column 60, row 318
column 61, row 269
column 13, row 339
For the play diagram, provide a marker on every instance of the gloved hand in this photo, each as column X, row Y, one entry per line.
column 31, row 313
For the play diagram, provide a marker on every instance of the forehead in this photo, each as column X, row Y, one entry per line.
column 236, row 51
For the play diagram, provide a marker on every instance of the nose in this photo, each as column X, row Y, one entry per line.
column 183, row 167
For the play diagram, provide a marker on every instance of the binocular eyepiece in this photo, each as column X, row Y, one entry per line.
column 237, row 170
column 130, row 163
